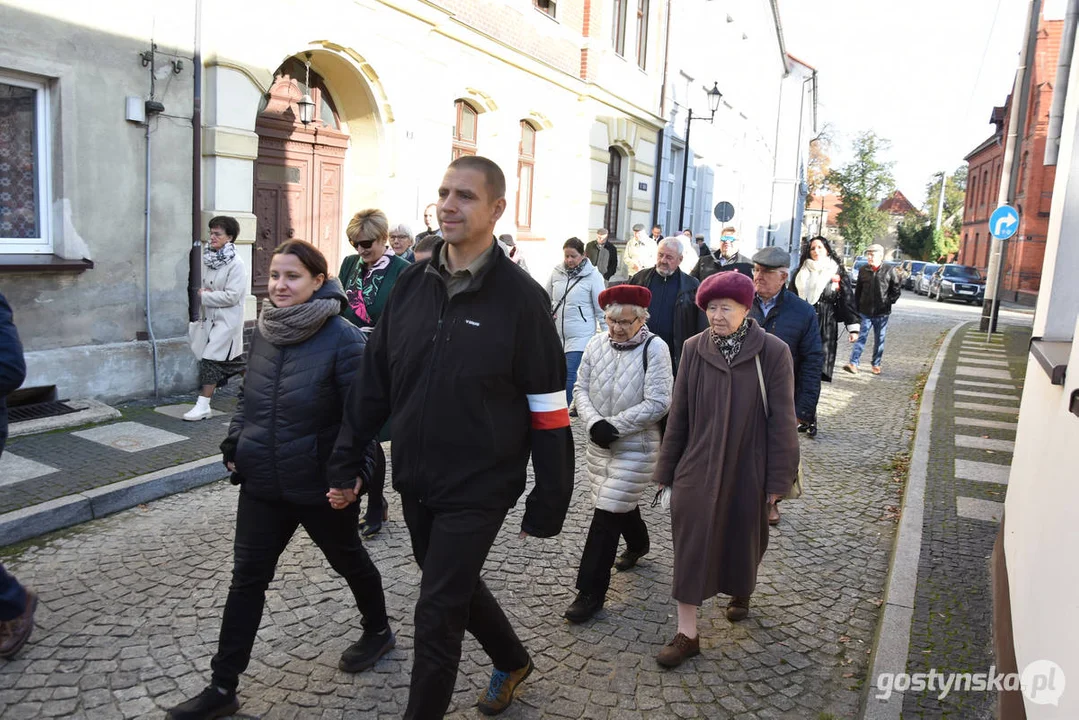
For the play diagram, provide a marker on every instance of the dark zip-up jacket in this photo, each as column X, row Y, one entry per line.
column 794, row 321
column 688, row 318
column 876, row 290
column 458, row 375
column 12, row 364
column 289, row 412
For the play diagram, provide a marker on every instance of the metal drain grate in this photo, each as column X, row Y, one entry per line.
column 36, row 411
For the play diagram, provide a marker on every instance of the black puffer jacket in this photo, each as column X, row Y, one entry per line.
column 290, row 410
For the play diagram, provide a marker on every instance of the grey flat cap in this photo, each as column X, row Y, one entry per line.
column 772, row 257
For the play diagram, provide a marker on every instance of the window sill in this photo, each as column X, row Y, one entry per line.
column 1052, row 355
column 42, row 264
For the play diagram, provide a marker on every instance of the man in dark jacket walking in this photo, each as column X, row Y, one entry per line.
column 673, row 311
column 793, row 320
column 728, row 257
column 17, row 604
column 875, row 291
column 602, row 254
column 477, row 333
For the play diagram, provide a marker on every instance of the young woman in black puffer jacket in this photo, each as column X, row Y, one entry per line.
column 301, row 362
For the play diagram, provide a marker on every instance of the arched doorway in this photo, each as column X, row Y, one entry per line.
column 298, row 173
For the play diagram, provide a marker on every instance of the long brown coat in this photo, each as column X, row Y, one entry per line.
column 722, row 457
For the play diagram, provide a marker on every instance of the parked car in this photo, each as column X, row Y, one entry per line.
column 858, row 263
column 921, row 280
column 958, row 282
column 907, row 270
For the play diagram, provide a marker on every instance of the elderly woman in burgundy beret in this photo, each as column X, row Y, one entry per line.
column 730, row 449
column 623, row 390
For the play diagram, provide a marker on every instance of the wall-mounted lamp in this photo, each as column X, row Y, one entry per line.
column 714, row 96
column 307, row 105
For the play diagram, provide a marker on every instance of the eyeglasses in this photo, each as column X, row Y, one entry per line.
column 622, row 323
column 365, row 244
column 398, row 237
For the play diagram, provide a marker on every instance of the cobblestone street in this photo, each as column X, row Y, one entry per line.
column 131, row 604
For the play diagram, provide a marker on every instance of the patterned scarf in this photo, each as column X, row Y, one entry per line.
column 730, row 345
column 634, row 341
column 215, row 259
column 364, row 285
column 293, row 325
column 573, row 272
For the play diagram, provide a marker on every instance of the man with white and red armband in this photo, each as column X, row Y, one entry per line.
column 467, row 361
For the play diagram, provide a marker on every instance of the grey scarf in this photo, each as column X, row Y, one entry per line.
column 292, row 325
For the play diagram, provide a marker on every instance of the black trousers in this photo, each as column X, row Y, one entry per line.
column 450, row 548
column 263, row 530
column 376, row 500
column 601, row 545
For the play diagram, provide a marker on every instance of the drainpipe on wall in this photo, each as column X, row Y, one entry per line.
column 152, row 108
column 1060, row 85
column 194, row 273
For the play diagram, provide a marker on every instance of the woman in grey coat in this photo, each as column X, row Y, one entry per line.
column 224, row 285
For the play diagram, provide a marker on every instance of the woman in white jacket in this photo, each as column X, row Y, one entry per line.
column 574, row 289
column 224, row 285
column 623, row 390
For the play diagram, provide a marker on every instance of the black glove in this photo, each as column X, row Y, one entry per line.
column 603, row 434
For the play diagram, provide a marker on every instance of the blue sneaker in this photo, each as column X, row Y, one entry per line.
column 500, row 692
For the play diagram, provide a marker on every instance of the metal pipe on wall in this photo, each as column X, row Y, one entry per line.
column 194, row 262
column 149, row 311
column 1060, row 85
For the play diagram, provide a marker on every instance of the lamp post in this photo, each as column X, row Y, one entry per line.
column 714, row 96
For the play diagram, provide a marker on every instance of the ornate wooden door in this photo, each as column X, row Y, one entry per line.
column 298, row 173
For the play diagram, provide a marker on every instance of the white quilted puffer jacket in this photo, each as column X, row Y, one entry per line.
column 611, row 386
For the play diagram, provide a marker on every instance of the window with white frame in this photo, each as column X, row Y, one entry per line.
column 526, row 170
column 547, row 7
column 24, row 165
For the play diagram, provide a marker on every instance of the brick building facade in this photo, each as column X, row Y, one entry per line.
column 1034, row 183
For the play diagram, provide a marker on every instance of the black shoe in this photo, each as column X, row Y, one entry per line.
column 371, row 523
column 802, row 427
column 213, row 702
column 364, row 653
column 628, row 559
column 811, row 431
column 584, row 607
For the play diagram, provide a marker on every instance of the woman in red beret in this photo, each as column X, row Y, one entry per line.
column 623, row 390
column 727, row 453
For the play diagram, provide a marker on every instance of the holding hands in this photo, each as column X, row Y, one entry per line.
column 341, row 498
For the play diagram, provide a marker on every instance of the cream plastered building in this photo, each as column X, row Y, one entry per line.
column 564, row 97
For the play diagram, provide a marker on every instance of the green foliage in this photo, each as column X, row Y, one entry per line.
column 921, row 241
column 863, row 183
column 820, row 163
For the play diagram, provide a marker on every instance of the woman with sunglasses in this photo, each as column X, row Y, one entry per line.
column 368, row 278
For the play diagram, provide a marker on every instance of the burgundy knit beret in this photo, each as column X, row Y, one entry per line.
column 731, row 284
column 625, row 295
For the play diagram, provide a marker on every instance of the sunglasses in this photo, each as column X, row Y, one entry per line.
column 365, row 244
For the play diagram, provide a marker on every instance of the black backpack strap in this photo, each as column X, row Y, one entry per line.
column 646, row 344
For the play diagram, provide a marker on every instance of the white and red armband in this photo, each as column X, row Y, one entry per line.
column 549, row 410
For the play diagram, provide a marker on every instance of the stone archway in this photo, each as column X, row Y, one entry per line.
column 299, row 171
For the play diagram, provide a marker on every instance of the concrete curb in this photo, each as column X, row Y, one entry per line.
column 20, row 525
column 893, row 640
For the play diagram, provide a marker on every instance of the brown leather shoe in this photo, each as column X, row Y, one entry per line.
column 738, row 608
column 15, row 632
column 501, row 689
column 678, row 651
column 773, row 513
column 876, row 369
column 851, row 368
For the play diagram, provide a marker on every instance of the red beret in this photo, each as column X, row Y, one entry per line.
column 625, row 295
column 730, row 284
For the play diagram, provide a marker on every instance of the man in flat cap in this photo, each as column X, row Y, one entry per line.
column 640, row 251
column 875, row 291
column 793, row 320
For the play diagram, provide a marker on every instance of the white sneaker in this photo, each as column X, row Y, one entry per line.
column 197, row 413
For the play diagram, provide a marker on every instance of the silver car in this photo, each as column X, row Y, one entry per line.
column 921, row 280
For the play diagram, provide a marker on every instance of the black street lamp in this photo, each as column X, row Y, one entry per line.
column 714, row 96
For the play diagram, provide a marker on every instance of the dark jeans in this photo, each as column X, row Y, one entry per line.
column 594, row 575
column 450, row 548
column 573, row 362
column 12, row 596
column 263, row 530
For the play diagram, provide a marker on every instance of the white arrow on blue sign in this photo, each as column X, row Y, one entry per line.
column 1004, row 222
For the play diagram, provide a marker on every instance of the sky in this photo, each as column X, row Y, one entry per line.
column 913, row 72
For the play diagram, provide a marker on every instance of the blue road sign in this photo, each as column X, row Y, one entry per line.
column 1004, row 222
